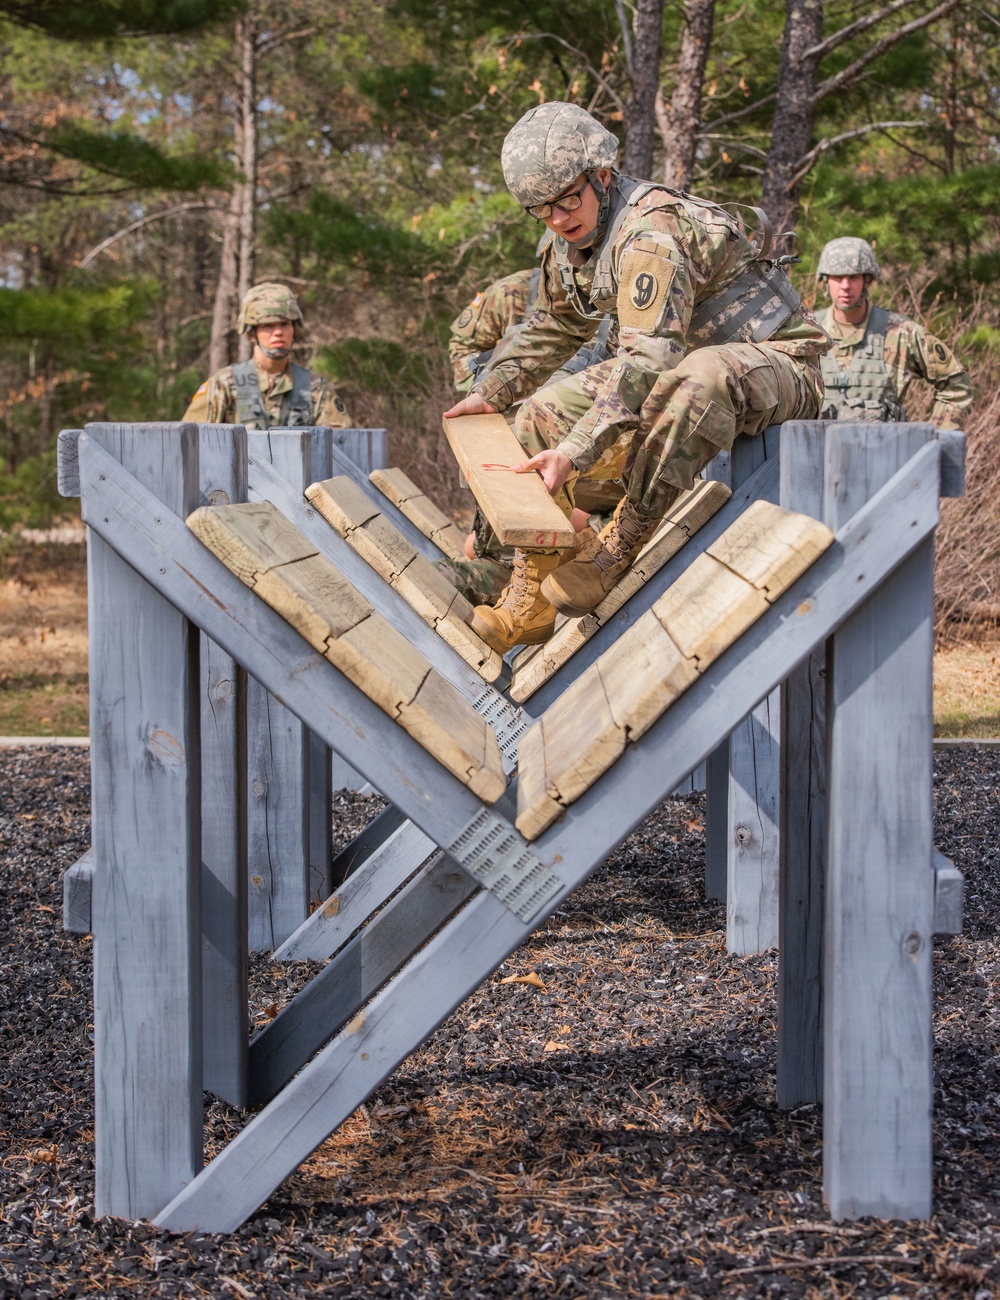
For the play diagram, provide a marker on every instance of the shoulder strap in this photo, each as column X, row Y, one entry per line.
column 300, row 402
column 250, row 410
column 533, row 283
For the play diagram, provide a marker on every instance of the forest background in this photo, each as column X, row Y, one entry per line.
column 159, row 157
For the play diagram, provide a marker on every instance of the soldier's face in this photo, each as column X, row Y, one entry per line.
column 846, row 291
column 276, row 336
column 578, row 224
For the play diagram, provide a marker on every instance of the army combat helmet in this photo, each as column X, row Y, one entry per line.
column 848, row 256
column 549, row 147
column 266, row 304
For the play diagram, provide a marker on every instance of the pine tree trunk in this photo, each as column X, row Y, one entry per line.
column 640, row 116
column 237, row 262
column 683, row 121
column 793, row 111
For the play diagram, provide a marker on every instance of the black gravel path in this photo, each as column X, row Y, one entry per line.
column 598, row 1120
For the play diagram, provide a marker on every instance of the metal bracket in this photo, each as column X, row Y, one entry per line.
column 507, row 720
column 493, row 853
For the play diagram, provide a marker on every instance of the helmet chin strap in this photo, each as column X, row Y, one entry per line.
column 603, row 193
column 275, row 354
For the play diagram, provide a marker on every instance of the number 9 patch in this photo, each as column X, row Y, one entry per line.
column 645, row 282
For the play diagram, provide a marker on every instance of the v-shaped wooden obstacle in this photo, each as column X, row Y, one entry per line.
column 407, row 969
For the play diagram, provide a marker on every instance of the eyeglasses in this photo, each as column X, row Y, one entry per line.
column 568, row 203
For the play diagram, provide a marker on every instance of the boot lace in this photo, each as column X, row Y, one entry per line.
column 628, row 532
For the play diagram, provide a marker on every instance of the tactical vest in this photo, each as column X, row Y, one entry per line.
column 865, row 391
column 250, row 410
column 751, row 307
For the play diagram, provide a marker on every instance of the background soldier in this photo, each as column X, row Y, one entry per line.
column 876, row 353
column 713, row 341
column 269, row 390
column 480, row 326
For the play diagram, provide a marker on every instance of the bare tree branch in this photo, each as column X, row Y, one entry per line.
column 88, row 257
column 626, row 30
column 808, row 160
column 848, row 74
column 853, row 29
column 602, row 81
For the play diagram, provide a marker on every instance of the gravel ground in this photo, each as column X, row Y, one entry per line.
column 598, row 1120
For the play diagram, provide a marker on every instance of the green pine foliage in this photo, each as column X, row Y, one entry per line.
column 101, row 19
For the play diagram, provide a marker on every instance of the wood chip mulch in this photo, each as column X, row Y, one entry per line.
column 598, row 1120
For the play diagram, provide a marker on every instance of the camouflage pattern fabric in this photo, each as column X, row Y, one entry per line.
column 911, row 353
column 671, row 254
column 215, row 400
column 266, row 304
column 484, row 322
column 480, row 581
column 549, row 147
column 848, row 256
column 691, row 413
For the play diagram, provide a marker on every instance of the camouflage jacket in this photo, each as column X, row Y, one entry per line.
column 910, row 353
column 215, row 400
column 671, row 256
column 485, row 321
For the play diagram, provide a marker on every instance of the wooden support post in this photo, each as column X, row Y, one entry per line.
column 147, row 856
column 289, row 773
column 741, row 832
column 222, row 479
column 879, row 912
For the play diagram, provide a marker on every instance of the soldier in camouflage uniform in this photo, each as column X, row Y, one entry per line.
column 488, row 317
column 876, row 353
column 714, row 341
column 269, row 390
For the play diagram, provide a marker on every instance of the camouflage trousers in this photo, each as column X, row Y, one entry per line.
column 480, row 581
column 691, row 414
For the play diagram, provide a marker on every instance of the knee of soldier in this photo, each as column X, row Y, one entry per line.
column 705, row 372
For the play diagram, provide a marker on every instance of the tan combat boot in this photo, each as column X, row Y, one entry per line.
column 581, row 585
column 522, row 616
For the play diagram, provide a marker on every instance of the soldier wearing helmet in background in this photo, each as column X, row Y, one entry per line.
column 876, row 353
column 269, row 390
column 713, row 341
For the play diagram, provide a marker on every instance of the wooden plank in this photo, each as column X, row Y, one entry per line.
column 359, row 896
column 708, row 608
column 949, row 895
column 420, row 510
column 77, row 883
column 534, row 666
column 222, row 478
column 771, row 547
column 68, row 462
column 752, row 884
column 162, row 547
column 536, row 806
column 366, row 449
column 336, row 992
column 342, row 464
column 147, row 878
column 454, row 962
column 517, row 505
column 802, row 836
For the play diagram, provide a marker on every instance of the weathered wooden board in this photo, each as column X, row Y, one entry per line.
column 458, row 958
column 949, row 895
column 341, row 464
column 517, row 505
column 336, row 992
column 144, row 692
column 336, row 621
column 752, row 824
column 701, row 615
column 536, row 665
column 420, row 510
column 344, row 506
column 77, row 884
column 222, row 477
column 359, row 896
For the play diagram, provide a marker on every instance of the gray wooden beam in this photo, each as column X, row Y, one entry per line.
column 455, row 961
column 222, row 479
column 146, row 841
column 77, row 885
column 358, row 473
column 949, row 895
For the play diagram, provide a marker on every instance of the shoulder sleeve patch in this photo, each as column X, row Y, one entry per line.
column 645, row 281
column 201, row 391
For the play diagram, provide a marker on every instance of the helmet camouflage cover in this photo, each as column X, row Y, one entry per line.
column 848, row 256
column 549, row 147
column 267, row 303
